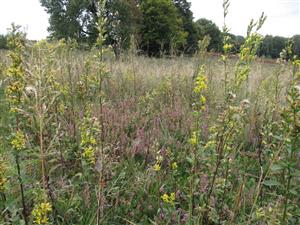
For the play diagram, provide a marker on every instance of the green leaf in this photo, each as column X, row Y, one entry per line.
column 271, row 183
column 294, row 192
column 190, row 160
column 276, row 168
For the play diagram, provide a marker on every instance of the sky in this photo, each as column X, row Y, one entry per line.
column 283, row 16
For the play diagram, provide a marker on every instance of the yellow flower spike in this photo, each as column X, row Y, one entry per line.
column 227, row 47
column 174, row 166
column 156, row 167
column 193, row 140
column 201, row 81
column 40, row 213
column 89, row 154
column 202, row 99
column 18, row 141
column 93, row 141
column 3, row 179
column 170, row 199
column 165, row 198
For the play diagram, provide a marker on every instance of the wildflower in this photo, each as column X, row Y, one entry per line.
column 202, row 99
column 165, row 198
column 93, row 141
column 89, row 154
column 18, row 141
column 40, row 213
column 156, row 167
column 296, row 62
column 210, row 144
column 170, row 199
column 61, row 108
column 193, row 140
column 3, row 179
column 227, row 47
column 200, row 83
column 88, row 144
column 259, row 213
column 174, row 166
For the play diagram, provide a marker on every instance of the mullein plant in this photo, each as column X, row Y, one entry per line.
column 290, row 158
column 92, row 128
column 289, row 126
column 40, row 94
column 199, row 106
column 15, row 88
column 227, row 46
column 3, row 188
column 222, row 150
column 280, row 138
column 247, row 55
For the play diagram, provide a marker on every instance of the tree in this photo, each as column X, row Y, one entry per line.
column 183, row 7
column 74, row 19
column 296, row 39
column 272, row 46
column 237, row 42
column 123, row 21
column 3, row 42
column 162, row 27
column 207, row 27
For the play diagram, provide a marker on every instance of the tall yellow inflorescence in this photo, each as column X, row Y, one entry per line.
column 3, row 179
column 40, row 213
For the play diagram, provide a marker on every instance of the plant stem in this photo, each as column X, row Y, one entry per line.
column 21, row 188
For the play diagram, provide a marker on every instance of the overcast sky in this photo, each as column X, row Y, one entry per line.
column 283, row 15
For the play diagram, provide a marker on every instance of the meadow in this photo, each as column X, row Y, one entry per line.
column 87, row 139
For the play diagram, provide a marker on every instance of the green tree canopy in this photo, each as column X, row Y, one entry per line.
column 296, row 39
column 3, row 42
column 183, row 7
column 159, row 26
column 272, row 46
column 237, row 42
column 123, row 21
column 162, row 27
column 73, row 19
column 207, row 27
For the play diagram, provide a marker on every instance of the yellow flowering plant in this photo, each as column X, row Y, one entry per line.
column 174, row 166
column 40, row 213
column 3, row 179
column 156, row 167
column 18, row 142
column 169, row 198
column 89, row 130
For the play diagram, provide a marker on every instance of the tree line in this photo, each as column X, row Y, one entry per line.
column 157, row 27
